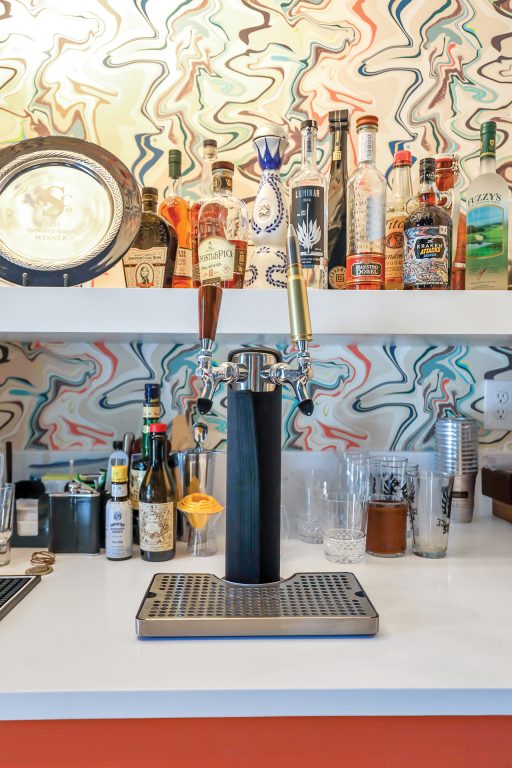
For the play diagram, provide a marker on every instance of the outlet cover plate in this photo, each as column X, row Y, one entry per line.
column 498, row 404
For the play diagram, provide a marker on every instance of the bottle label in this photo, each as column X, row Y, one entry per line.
column 119, row 529
column 151, row 411
column 183, row 266
column 145, row 269
column 367, row 268
column 307, row 214
column 486, row 242
column 426, row 256
column 156, row 525
column 222, row 181
column 136, row 477
column 394, row 250
column 337, row 278
column 367, row 146
column 216, row 260
column 119, row 490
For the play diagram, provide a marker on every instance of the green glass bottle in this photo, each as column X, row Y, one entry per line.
column 157, row 502
column 140, row 461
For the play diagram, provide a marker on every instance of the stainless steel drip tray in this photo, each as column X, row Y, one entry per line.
column 202, row 605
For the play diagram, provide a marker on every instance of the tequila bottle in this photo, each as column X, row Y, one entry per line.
column 487, row 220
column 339, row 125
column 427, row 236
column 447, row 172
column 309, row 210
column 396, row 214
column 149, row 263
column 209, row 156
column 366, row 214
column 175, row 210
column 222, row 226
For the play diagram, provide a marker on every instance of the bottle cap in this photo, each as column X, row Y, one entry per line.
column 427, row 164
column 119, row 473
column 174, row 163
column 151, row 391
column 308, row 124
column 149, row 192
column 118, row 445
column 488, row 128
column 223, row 165
column 367, row 120
column 158, row 428
column 339, row 116
column 210, row 143
column 402, row 157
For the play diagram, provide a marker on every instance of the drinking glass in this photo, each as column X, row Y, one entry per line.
column 431, row 518
column 357, row 474
column 6, row 507
column 386, row 528
column 392, row 475
column 309, row 517
column 344, row 521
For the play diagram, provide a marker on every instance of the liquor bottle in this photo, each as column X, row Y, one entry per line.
column 396, row 214
column 447, row 172
column 222, row 227
column 209, row 156
column 487, row 220
column 118, row 456
column 140, row 461
column 427, row 233
column 157, row 502
column 366, row 214
column 339, row 125
column 309, row 210
column 119, row 517
column 149, row 263
column 175, row 210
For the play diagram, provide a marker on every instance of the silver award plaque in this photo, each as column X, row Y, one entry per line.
column 69, row 210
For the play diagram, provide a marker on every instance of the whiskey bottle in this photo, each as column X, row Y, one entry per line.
column 487, row 220
column 447, row 172
column 175, row 210
column 222, row 227
column 339, row 124
column 157, row 502
column 309, row 210
column 366, row 214
column 427, row 233
column 209, row 156
column 396, row 214
column 119, row 518
column 149, row 263
column 140, row 461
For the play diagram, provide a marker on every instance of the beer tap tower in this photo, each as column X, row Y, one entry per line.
column 251, row 599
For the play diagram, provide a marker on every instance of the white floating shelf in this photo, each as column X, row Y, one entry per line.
column 370, row 317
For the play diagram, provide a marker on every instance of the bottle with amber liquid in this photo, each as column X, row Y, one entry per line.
column 175, row 210
column 223, row 227
column 396, row 214
column 149, row 263
column 157, row 502
column 447, row 174
column 427, row 237
column 209, row 156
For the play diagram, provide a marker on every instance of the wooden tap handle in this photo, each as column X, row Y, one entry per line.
column 210, row 297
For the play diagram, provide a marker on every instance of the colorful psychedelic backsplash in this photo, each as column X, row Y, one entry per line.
column 73, row 395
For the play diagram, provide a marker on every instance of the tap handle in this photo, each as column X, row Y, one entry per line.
column 209, row 297
column 298, row 307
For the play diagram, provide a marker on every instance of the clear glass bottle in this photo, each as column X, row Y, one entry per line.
column 223, row 227
column 118, row 517
column 339, row 125
column 487, row 220
column 427, row 237
column 209, row 156
column 157, row 502
column 366, row 214
column 309, row 210
column 149, row 263
column 447, row 173
column 175, row 210
column 396, row 214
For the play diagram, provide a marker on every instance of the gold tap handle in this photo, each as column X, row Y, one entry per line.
column 298, row 307
column 209, row 301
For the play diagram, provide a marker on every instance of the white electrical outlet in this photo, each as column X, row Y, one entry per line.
column 498, row 404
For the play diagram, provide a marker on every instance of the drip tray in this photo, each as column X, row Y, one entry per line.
column 202, row 605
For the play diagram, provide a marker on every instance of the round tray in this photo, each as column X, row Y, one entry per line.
column 69, row 210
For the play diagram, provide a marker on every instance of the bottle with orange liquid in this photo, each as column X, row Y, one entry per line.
column 209, row 155
column 176, row 211
column 447, row 173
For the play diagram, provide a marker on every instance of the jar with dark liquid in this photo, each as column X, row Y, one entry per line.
column 386, row 530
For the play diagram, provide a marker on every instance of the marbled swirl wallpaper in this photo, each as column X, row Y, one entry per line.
column 138, row 76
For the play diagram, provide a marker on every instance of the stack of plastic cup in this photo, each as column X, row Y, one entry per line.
column 457, row 454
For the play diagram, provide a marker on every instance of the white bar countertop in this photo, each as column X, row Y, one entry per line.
column 69, row 649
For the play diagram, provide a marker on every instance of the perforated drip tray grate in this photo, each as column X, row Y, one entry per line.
column 13, row 589
column 202, row 605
